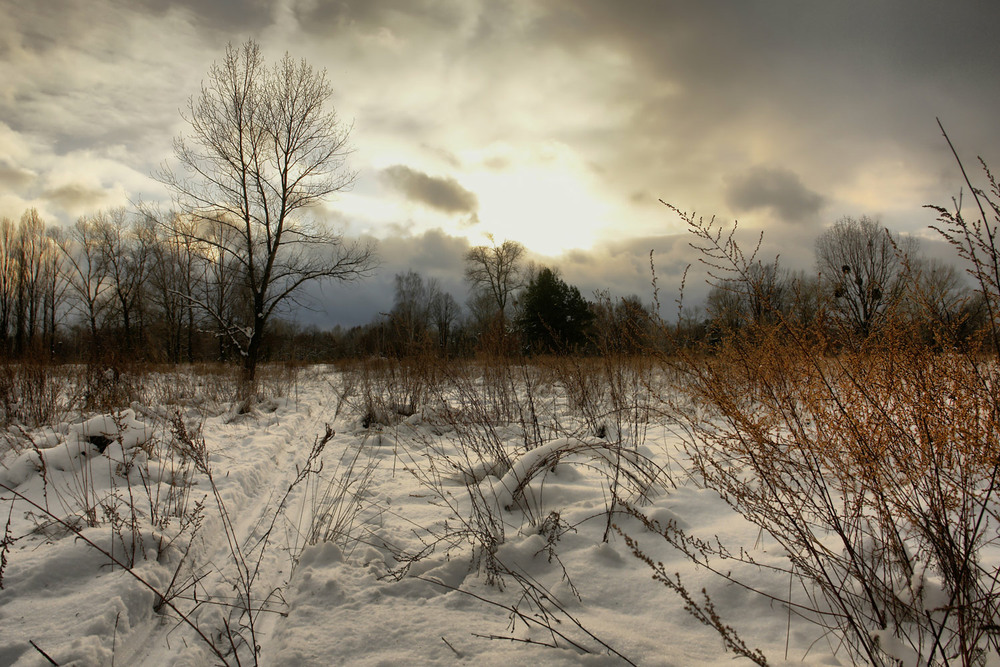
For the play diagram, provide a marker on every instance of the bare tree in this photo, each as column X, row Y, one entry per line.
column 263, row 151
column 8, row 277
column 410, row 315
column 87, row 275
column 54, row 285
column 495, row 270
column 126, row 246
column 863, row 264
column 29, row 247
column 759, row 296
column 173, row 276
column 444, row 313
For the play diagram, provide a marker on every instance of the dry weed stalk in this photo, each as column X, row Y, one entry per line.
column 33, row 393
column 876, row 470
column 334, row 502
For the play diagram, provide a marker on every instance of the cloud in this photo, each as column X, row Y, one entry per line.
column 442, row 193
column 774, row 188
column 378, row 16
column 433, row 254
column 666, row 98
column 75, row 196
column 15, row 178
column 229, row 15
column 620, row 268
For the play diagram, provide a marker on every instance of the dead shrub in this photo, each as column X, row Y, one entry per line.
column 875, row 470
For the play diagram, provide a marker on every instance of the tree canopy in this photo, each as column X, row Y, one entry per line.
column 554, row 316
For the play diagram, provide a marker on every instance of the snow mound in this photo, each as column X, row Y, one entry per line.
column 121, row 426
column 82, row 441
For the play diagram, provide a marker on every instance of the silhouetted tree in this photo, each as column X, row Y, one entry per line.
column 494, row 273
column 410, row 314
column 621, row 326
column 29, row 250
column 126, row 244
column 942, row 303
column 87, row 276
column 861, row 263
column 264, row 150
column 554, row 317
column 174, row 278
column 444, row 314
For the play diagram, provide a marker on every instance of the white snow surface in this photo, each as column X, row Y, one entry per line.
column 354, row 599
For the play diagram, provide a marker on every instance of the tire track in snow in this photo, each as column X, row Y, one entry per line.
column 253, row 462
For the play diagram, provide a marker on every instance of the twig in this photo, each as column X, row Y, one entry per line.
column 44, row 654
column 448, row 644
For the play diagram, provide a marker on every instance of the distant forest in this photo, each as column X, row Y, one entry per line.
column 124, row 284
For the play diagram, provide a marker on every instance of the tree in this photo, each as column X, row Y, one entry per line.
column 29, row 249
column 862, row 264
column 54, row 286
column 87, row 275
column 761, row 296
column 444, row 312
column 127, row 248
column 622, row 326
column 554, row 317
column 264, row 150
column 8, row 278
column 173, row 277
column 410, row 315
column 494, row 272
column 942, row 303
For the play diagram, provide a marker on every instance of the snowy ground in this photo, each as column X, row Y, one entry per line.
column 383, row 557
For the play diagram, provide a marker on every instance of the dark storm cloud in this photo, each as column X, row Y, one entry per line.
column 823, row 87
column 95, row 77
column 718, row 41
column 55, row 24
column 642, row 100
column 780, row 190
column 75, row 197
column 442, row 193
column 628, row 266
column 433, row 254
column 620, row 269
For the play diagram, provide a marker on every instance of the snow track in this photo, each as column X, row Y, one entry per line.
column 254, row 459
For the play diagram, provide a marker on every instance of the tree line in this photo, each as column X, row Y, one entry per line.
column 117, row 282
column 866, row 281
column 126, row 282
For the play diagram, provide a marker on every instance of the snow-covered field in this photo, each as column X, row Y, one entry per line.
column 466, row 531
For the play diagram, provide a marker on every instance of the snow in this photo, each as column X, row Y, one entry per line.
column 404, row 572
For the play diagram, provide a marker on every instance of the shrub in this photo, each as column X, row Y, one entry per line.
column 876, row 470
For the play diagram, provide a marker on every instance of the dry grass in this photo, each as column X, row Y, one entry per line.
column 876, row 470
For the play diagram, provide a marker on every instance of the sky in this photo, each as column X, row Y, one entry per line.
column 560, row 124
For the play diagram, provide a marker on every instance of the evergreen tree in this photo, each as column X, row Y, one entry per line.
column 554, row 317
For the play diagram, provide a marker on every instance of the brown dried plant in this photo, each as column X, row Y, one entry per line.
column 875, row 469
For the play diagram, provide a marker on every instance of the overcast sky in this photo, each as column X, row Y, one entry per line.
column 557, row 123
